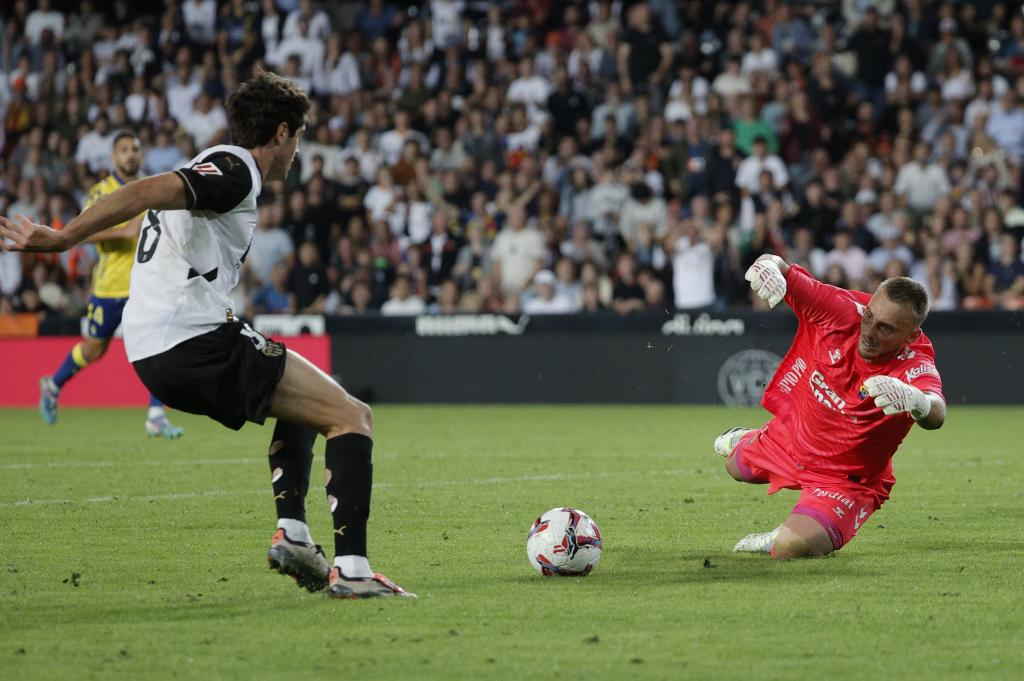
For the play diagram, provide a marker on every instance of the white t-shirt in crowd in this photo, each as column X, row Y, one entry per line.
column 693, row 274
column 38, row 21
column 559, row 304
column 200, row 19
column 922, row 185
column 749, row 172
column 411, row 306
column 204, row 126
column 519, row 254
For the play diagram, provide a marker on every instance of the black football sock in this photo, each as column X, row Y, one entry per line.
column 291, row 458
column 349, row 479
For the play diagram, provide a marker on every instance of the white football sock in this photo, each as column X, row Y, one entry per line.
column 354, row 566
column 154, row 413
column 296, row 530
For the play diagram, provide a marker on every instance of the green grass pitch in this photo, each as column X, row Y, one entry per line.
column 128, row 558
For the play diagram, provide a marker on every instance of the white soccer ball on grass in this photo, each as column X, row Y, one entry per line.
column 564, row 542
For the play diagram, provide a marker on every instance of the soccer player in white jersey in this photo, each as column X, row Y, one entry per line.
column 192, row 353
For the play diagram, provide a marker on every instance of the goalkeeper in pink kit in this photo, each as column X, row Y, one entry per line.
column 859, row 375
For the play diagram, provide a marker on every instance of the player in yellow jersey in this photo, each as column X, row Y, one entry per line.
column 116, row 247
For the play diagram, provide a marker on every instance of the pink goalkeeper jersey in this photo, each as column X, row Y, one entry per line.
column 834, row 426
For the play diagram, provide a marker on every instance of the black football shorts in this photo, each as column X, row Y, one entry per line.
column 229, row 374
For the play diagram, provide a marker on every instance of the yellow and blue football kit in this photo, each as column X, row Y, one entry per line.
column 110, row 283
column 111, row 276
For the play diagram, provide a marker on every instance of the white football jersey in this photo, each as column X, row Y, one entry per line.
column 187, row 261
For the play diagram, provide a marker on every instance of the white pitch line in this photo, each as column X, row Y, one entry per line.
column 134, row 462
column 175, row 496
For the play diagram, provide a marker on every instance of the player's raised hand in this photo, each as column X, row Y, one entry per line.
column 21, row 234
column 893, row 396
column 767, row 280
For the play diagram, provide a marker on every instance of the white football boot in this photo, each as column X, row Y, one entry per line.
column 727, row 441
column 759, row 542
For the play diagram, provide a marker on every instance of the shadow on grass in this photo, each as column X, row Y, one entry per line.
column 671, row 569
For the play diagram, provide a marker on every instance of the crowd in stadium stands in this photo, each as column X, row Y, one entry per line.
column 546, row 157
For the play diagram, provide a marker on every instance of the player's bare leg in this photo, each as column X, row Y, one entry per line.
column 308, row 397
column 801, row 537
column 725, row 446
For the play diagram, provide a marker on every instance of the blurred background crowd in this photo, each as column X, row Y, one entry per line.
column 545, row 157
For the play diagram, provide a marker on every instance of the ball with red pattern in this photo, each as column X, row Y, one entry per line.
column 564, row 542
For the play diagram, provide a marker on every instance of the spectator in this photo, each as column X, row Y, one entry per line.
column 273, row 297
column 693, row 280
column 440, row 249
column 270, row 245
column 731, row 83
column 402, row 301
column 546, row 298
column 448, row 299
column 1006, row 125
column 94, row 148
column 748, row 174
column 318, row 23
column 44, row 18
column 920, row 183
column 580, row 247
column 207, row 122
column 308, row 281
column 628, row 295
column 518, row 253
column 1008, row 270
column 888, row 250
column 749, row 128
column 870, row 44
column 849, row 257
column 200, row 17
column 645, row 53
column 642, row 208
column 10, row 274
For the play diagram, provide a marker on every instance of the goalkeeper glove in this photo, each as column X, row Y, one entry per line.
column 767, row 280
column 893, row 396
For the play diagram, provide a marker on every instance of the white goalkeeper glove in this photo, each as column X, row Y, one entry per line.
column 767, row 280
column 893, row 396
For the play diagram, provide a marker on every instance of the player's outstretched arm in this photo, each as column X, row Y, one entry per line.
column 893, row 396
column 767, row 277
column 160, row 192
column 117, row 233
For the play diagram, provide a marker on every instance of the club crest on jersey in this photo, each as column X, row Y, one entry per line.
column 906, row 354
column 207, row 168
column 835, row 355
column 272, row 349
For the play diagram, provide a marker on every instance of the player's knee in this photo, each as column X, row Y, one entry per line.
column 93, row 351
column 734, row 471
column 354, row 417
column 791, row 547
column 367, row 417
column 363, row 416
column 275, row 447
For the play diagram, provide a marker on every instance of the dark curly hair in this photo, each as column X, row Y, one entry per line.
column 260, row 105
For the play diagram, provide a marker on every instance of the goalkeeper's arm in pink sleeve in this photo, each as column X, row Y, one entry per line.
column 812, row 300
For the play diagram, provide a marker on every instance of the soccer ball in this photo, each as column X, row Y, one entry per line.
column 564, row 541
